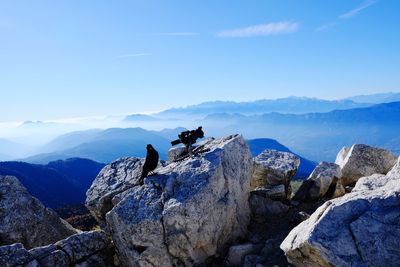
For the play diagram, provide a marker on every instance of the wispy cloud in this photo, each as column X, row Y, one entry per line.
column 352, row 13
column 327, row 26
column 272, row 28
column 135, row 55
column 178, row 33
column 358, row 9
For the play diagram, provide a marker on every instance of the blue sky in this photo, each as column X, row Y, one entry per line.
column 81, row 58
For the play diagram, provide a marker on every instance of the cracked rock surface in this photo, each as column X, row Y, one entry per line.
column 111, row 185
column 273, row 167
column 362, row 228
column 113, row 179
column 24, row 219
column 187, row 212
column 84, row 249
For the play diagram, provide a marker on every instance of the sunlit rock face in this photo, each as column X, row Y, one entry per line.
column 363, row 160
column 185, row 213
column 324, row 181
column 362, row 228
column 272, row 168
column 113, row 179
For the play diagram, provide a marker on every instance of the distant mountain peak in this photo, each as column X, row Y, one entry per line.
column 140, row 117
column 33, row 122
column 376, row 98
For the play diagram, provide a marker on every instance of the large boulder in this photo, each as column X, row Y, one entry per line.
column 189, row 211
column 85, row 249
column 362, row 228
column 24, row 219
column 362, row 160
column 273, row 167
column 324, row 177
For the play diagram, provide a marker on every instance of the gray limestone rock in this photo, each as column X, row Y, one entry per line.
column 113, row 180
column 189, row 211
column 273, row 167
column 323, row 175
column 79, row 246
column 276, row 192
column 362, row 160
column 175, row 152
column 24, row 219
column 85, row 249
column 362, row 228
column 13, row 255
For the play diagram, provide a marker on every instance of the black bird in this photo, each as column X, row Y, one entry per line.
column 150, row 163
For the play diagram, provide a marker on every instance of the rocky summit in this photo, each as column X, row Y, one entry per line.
column 185, row 213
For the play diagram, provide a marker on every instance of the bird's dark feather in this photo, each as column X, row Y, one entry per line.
column 150, row 162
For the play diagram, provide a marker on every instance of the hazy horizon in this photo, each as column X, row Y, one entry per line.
column 70, row 119
column 35, row 133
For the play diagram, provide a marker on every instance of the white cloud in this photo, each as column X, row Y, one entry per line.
column 347, row 15
column 178, row 33
column 273, row 28
column 357, row 10
column 135, row 55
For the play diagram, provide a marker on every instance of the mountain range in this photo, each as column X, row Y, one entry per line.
column 317, row 136
column 292, row 105
column 376, row 98
column 106, row 145
column 303, row 124
column 57, row 180
column 58, row 183
column 10, row 149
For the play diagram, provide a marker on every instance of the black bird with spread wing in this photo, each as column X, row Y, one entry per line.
column 150, row 163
